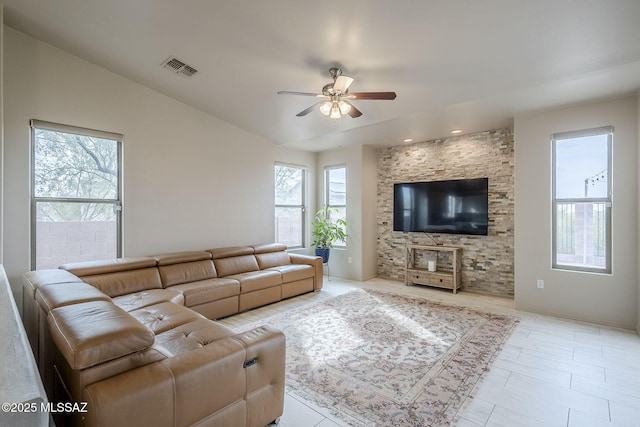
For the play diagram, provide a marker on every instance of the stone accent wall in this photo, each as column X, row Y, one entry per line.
column 487, row 261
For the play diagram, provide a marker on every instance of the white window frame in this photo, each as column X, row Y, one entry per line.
column 606, row 201
column 116, row 201
column 302, row 206
column 327, row 198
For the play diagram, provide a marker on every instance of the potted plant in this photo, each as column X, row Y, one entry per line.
column 326, row 232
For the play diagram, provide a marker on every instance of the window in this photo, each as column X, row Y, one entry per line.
column 289, row 205
column 75, row 194
column 581, row 216
column 336, row 193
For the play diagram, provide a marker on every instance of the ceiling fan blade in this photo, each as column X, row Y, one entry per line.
column 307, row 111
column 372, row 95
column 342, row 83
column 287, row 92
column 353, row 111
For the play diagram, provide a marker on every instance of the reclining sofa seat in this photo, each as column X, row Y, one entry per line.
column 194, row 275
column 257, row 287
column 267, row 273
column 163, row 365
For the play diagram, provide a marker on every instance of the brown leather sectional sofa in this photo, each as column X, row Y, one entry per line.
column 132, row 337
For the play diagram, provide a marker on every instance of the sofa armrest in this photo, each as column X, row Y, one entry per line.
column 265, row 369
column 315, row 262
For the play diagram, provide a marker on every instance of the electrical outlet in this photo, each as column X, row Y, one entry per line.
column 540, row 283
column 350, row 260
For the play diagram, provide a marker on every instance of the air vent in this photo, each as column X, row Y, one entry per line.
column 174, row 64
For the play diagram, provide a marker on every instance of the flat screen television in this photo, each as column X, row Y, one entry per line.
column 458, row 206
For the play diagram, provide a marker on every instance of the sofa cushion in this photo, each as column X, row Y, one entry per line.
column 186, row 272
column 256, row 280
column 145, row 298
column 269, row 247
column 119, row 276
column 204, row 291
column 294, row 272
column 77, row 380
column 95, row 332
column 182, row 257
column 33, row 280
column 50, row 297
column 230, row 251
column 272, row 259
column 235, row 265
column 164, row 316
column 92, row 268
column 192, row 335
column 126, row 282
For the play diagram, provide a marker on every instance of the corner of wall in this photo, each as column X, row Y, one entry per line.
column 346, row 263
column 1, row 134
column 638, row 237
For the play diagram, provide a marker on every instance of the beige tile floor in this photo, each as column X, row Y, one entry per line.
column 551, row 371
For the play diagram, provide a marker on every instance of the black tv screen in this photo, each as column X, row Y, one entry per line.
column 456, row 206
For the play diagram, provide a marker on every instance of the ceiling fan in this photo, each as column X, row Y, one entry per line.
column 337, row 99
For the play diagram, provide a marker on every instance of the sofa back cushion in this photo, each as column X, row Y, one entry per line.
column 273, row 259
column 232, row 251
column 236, row 265
column 269, row 247
column 185, row 267
column 33, row 280
column 234, row 260
column 50, row 297
column 120, row 276
column 92, row 268
column 126, row 282
column 271, row 255
column 95, row 332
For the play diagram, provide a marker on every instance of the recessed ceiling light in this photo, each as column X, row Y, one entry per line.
column 456, row 131
column 407, row 140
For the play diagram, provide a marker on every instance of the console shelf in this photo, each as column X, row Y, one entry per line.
column 445, row 276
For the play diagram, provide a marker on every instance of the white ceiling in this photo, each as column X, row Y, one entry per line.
column 464, row 64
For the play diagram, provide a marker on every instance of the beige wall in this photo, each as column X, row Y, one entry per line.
column 608, row 299
column 369, row 214
column 191, row 181
column 1, row 133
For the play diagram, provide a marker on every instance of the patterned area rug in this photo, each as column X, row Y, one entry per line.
column 378, row 359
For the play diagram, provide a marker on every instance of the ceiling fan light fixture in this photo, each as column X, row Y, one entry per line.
column 337, row 97
column 335, row 112
column 325, row 108
column 345, row 107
